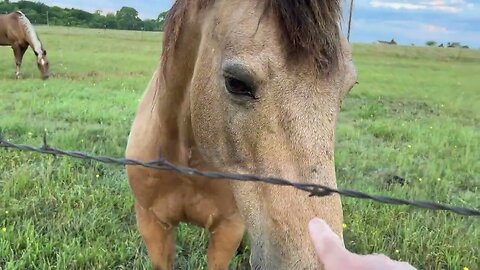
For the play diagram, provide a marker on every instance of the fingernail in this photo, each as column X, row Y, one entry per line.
column 318, row 224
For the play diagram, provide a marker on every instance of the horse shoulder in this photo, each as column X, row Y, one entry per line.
column 14, row 31
column 145, row 125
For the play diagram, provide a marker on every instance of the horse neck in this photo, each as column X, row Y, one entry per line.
column 170, row 92
column 179, row 61
column 30, row 34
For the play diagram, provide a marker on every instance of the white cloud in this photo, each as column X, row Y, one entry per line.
column 396, row 5
column 431, row 28
column 452, row 6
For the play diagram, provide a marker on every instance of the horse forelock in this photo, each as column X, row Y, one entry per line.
column 309, row 28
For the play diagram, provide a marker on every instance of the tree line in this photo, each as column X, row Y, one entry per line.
column 126, row 18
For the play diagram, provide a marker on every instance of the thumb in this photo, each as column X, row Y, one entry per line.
column 328, row 246
column 334, row 255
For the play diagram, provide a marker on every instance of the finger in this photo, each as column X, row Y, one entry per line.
column 333, row 255
column 380, row 261
column 328, row 245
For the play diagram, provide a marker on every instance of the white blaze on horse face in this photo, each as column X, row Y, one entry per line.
column 42, row 62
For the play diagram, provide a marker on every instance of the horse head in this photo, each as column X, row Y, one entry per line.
column 43, row 64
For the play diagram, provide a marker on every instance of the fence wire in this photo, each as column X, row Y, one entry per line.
column 314, row 190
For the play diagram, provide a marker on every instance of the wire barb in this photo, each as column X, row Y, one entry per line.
column 312, row 189
column 45, row 143
column 317, row 192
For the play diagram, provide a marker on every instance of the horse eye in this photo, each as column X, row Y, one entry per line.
column 239, row 88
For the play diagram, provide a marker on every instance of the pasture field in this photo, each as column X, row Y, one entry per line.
column 410, row 129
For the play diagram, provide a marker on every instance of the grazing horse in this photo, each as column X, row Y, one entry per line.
column 17, row 31
column 246, row 86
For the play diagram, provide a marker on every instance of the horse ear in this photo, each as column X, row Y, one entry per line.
column 45, row 52
column 36, row 54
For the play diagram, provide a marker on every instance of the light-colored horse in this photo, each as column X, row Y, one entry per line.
column 248, row 86
column 17, row 31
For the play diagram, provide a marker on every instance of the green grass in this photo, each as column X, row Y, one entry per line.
column 414, row 115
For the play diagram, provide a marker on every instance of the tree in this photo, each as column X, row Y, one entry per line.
column 151, row 25
column 6, row 7
column 127, row 18
column 111, row 21
column 97, row 21
column 161, row 20
column 431, row 43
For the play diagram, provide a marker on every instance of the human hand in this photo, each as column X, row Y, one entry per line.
column 335, row 256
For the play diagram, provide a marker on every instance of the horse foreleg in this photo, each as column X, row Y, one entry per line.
column 224, row 241
column 159, row 239
column 19, row 52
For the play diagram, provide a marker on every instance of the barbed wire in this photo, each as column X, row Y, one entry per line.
column 350, row 19
column 314, row 190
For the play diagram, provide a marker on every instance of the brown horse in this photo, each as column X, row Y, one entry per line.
column 17, row 31
column 248, row 86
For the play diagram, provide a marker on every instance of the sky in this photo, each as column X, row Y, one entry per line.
column 416, row 21
column 407, row 21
